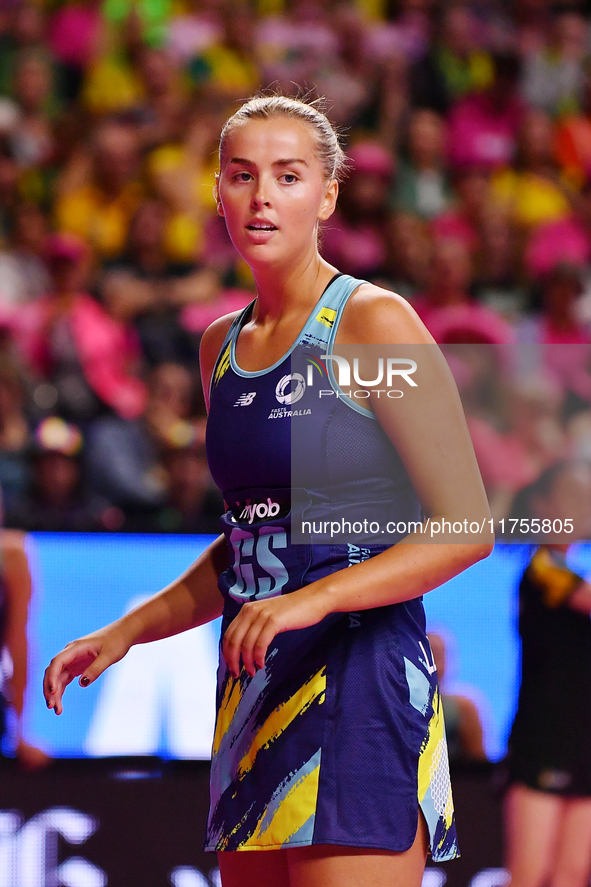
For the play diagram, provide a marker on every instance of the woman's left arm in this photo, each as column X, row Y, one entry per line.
column 428, row 429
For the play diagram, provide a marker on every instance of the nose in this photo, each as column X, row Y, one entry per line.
column 260, row 195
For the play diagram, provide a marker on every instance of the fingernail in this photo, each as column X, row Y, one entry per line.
column 84, row 682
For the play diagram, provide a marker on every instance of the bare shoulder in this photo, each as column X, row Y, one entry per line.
column 210, row 345
column 374, row 315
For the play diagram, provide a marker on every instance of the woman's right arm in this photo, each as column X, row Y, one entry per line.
column 192, row 599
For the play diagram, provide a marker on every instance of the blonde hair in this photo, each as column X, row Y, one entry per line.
column 262, row 107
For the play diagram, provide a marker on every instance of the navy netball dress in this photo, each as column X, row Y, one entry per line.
column 340, row 737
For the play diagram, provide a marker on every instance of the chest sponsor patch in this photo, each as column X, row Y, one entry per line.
column 252, row 510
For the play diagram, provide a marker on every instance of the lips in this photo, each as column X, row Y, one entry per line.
column 261, row 225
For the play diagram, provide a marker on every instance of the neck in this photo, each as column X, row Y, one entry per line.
column 290, row 288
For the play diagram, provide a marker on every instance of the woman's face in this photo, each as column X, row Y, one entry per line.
column 272, row 191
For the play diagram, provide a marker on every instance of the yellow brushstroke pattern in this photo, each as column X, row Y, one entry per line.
column 223, row 364
column 283, row 715
column 296, row 809
column 229, row 704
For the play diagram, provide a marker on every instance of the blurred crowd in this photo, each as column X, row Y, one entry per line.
column 468, row 127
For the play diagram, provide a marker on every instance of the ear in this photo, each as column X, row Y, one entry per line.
column 329, row 202
column 216, row 195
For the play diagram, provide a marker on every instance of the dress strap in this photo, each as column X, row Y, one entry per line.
column 338, row 304
column 322, row 324
column 223, row 360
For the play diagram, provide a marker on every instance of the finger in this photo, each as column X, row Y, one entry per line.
column 56, row 702
column 95, row 670
column 73, row 658
column 232, row 645
column 249, row 641
column 50, row 679
column 56, row 678
column 231, row 651
column 255, row 642
column 63, row 668
column 262, row 644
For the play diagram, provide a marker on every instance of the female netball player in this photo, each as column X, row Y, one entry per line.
column 329, row 747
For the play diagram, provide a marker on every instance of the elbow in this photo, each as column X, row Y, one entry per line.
column 473, row 552
column 481, row 550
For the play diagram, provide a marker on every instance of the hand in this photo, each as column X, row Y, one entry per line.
column 87, row 657
column 257, row 623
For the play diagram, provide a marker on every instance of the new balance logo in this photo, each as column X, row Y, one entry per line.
column 245, row 399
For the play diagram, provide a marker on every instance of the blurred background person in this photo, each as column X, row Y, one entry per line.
column 483, row 126
column 101, row 188
column 24, row 275
column 16, row 419
column 56, row 499
column 124, row 459
column 355, row 237
column 15, row 596
column 192, row 503
column 553, row 74
column 463, row 726
column 548, row 803
column 456, row 64
column 71, row 342
column 422, row 185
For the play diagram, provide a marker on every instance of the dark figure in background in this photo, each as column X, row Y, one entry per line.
column 193, row 504
column 123, row 458
column 56, row 500
column 455, row 65
column 144, row 287
column 14, row 430
column 548, row 805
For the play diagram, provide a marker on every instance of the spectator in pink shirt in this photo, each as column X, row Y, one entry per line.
column 483, row 127
column 72, row 342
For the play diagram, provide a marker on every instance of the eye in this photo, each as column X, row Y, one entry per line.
column 289, row 178
column 242, row 176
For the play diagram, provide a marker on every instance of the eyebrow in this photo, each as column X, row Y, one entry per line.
column 242, row 161
column 290, row 161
